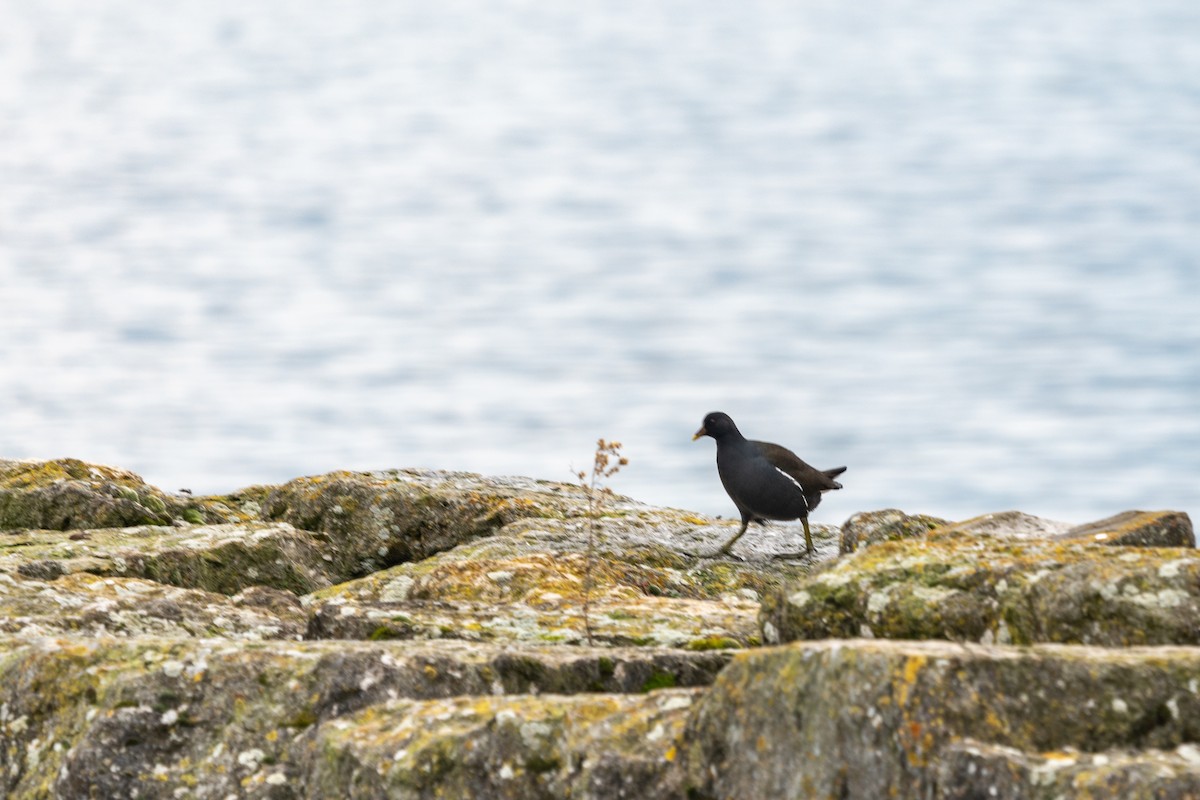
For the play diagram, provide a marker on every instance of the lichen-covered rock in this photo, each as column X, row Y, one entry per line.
column 995, row 591
column 1013, row 525
column 1138, row 529
column 1129, row 528
column 883, row 719
column 162, row 718
column 642, row 622
column 603, row 747
column 528, row 584
column 68, row 494
column 215, row 558
column 970, row 770
column 378, row 519
column 82, row 604
column 148, row 647
column 888, row 525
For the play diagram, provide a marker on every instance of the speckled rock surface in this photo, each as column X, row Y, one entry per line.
column 1127, row 529
column 887, row 525
column 863, row 719
column 69, row 494
column 417, row 634
column 83, row 604
column 377, row 519
column 66, row 493
column 1138, row 529
column 205, row 718
column 217, row 558
column 603, row 747
column 969, row 770
column 527, row 584
column 984, row 590
column 1014, row 525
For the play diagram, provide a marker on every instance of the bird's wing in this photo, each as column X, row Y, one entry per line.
column 810, row 478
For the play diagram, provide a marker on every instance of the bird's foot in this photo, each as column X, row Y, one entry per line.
column 715, row 554
column 794, row 556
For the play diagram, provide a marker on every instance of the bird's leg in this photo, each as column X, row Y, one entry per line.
column 807, row 543
column 725, row 547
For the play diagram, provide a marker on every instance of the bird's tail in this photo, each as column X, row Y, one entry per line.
column 833, row 473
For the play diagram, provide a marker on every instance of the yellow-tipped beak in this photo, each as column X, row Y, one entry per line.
column 698, row 434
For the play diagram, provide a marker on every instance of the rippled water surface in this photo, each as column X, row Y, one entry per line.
column 953, row 246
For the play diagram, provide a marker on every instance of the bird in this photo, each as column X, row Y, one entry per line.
column 765, row 481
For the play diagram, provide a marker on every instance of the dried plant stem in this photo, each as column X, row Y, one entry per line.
column 606, row 462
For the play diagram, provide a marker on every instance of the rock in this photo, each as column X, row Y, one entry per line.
column 378, row 519
column 592, row 746
column 156, row 717
column 969, row 769
column 1138, row 529
column 995, row 591
column 1130, row 528
column 1011, row 525
column 526, row 584
column 67, row 493
column 905, row 719
column 81, row 604
column 215, row 558
column 149, row 647
column 891, row 524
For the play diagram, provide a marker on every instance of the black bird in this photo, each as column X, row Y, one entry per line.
column 765, row 481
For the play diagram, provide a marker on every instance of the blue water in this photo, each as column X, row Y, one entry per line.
column 953, row 246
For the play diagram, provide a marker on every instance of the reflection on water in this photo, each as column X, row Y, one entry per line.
column 952, row 247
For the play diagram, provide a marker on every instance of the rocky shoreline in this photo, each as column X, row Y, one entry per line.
column 418, row 634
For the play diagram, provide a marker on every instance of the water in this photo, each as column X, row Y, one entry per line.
column 955, row 247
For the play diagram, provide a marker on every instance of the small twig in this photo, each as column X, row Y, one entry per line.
column 606, row 462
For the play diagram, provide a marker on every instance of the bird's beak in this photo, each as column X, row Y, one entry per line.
column 699, row 433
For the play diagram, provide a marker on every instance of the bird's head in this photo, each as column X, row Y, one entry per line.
column 716, row 424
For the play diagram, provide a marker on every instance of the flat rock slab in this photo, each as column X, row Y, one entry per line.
column 217, row 558
column 1138, row 529
column 895, row 719
column 82, row 604
column 640, row 622
column 1127, row 529
column 1004, row 524
column 985, row 590
column 377, row 519
column 527, row 584
column 589, row 746
column 968, row 768
column 162, row 717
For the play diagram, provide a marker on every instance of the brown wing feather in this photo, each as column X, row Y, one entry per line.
column 809, row 477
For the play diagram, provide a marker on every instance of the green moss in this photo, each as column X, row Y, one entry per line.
column 384, row 633
column 303, row 719
column 713, row 643
column 193, row 516
column 659, row 680
column 539, row 764
column 154, row 503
